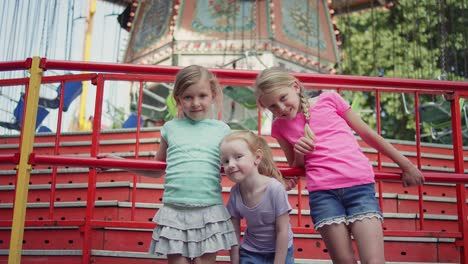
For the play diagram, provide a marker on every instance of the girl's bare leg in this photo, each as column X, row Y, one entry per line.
column 208, row 258
column 177, row 259
column 339, row 244
column 368, row 236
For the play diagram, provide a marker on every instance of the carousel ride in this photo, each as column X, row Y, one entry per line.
column 252, row 35
column 300, row 35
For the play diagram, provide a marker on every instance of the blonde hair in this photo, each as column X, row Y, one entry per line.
column 267, row 165
column 275, row 78
column 193, row 74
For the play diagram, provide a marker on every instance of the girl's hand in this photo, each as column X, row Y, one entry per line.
column 304, row 145
column 291, row 183
column 412, row 176
column 104, row 156
column 107, row 155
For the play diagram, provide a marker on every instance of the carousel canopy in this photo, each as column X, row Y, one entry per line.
column 300, row 31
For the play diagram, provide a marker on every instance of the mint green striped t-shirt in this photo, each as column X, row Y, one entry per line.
column 193, row 163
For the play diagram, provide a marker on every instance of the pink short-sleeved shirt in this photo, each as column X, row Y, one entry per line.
column 337, row 161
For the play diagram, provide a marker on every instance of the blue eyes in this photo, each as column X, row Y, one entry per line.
column 282, row 99
column 235, row 157
column 191, row 97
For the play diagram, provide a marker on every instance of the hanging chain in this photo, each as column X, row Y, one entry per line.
column 443, row 75
column 257, row 26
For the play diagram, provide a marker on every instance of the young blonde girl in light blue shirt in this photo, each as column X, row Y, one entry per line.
column 193, row 224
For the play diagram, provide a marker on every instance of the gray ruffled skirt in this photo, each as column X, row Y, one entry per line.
column 192, row 231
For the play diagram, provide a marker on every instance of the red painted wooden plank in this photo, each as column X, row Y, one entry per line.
column 119, row 260
column 63, row 213
column 46, row 239
column 26, row 259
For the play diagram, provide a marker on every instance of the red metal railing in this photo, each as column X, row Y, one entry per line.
column 104, row 72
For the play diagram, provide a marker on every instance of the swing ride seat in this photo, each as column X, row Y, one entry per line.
column 44, row 129
column 41, row 113
column 132, row 122
column 241, row 95
column 245, row 97
column 18, row 115
column 71, row 91
column 154, row 102
column 438, row 117
column 247, row 124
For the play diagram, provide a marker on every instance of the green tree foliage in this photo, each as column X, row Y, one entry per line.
column 413, row 39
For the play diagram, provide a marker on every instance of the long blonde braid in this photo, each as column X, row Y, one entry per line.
column 308, row 133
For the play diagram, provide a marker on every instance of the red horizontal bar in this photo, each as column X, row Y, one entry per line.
column 16, row 65
column 74, row 161
column 250, row 75
column 122, row 224
column 9, row 158
column 70, row 77
column 36, row 223
column 394, row 176
column 432, row 234
column 428, row 177
column 223, row 80
column 138, row 77
column 36, row 159
column 380, row 82
column 371, row 88
column 108, row 67
column 291, row 171
column 14, row 82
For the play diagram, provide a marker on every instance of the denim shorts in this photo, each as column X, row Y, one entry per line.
column 345, row 205
column 249, row 257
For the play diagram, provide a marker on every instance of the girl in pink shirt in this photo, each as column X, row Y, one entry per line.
column 316, row 134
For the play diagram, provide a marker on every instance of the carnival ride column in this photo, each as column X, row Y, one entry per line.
column 24, row 168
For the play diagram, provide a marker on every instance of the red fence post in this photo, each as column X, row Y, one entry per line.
column 459, row 168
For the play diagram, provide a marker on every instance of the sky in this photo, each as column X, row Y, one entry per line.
column 55, row 29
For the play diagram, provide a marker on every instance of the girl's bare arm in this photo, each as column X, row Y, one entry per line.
column 234, row 252
column 282, row 238
column 411, row 175
column 160, row 156
column 294, row 159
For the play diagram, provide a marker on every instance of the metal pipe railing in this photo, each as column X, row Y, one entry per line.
column 137, row 164
column 154, row 73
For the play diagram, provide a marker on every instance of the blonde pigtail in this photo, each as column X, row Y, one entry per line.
column 308, row 133
column 267, row 165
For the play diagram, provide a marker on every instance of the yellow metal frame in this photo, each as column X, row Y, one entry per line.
column 24, row 168
column 83, row 123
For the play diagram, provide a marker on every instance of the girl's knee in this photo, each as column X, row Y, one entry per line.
column 350, row 259
column 376, row 260
column 207, row 258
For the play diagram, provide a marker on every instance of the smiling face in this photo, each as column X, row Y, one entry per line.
column 283, row 102
column 196, row 100
column 238, row 161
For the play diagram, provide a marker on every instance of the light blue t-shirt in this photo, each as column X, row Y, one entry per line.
column 192, row 162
